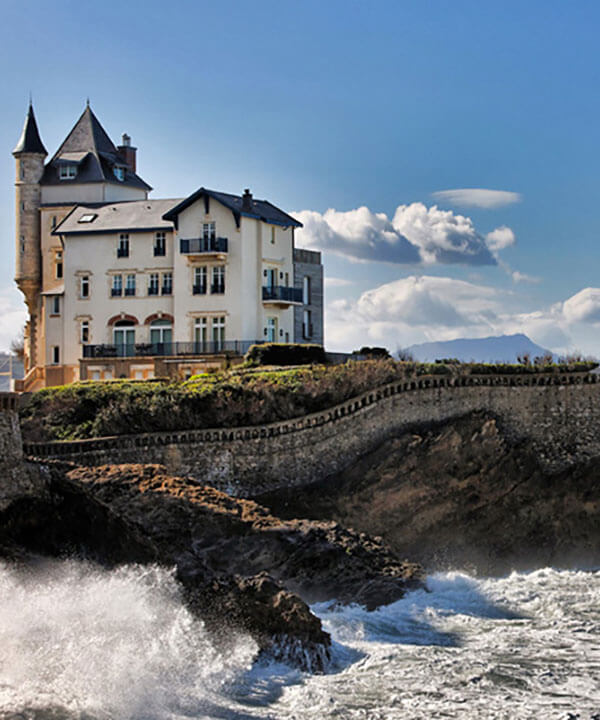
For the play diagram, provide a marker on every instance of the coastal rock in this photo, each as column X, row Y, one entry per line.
column 462, row 494
column 241, row 566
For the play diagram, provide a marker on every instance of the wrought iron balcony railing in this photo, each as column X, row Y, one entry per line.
column 281, row 293
column 201, row 245
column 169, row 349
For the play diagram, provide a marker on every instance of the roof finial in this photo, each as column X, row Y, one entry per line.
column 30, row 99
column 87, row 102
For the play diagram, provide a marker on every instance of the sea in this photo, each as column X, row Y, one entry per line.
column 81, row 642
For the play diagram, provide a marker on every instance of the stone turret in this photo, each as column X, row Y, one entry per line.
column 29, row 154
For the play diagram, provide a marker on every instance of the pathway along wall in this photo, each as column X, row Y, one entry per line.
column 558, row 414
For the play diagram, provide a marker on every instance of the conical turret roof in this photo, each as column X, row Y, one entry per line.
column 30, row 141
column 89, row 146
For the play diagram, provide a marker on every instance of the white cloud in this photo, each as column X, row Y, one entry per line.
column 418, row 309
column 13, row 315
column 519, row 277
column 416, row 235
column 478, row 197
column 500, row 238
column 332, row 282
column 584, row 306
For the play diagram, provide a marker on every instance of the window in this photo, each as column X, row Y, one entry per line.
column 272, row 234
column 119, row 173
column 55, row 305
column 22, row 243
column 153, row 284
column 130, row 285
column 161, row 333
column 58, row 265
column 123, row 248
column 160, row 244
column 22, row 171
column 124, row 338
column 87, row 218
column 271, row 329
column 218, row 280
column 200, row 334
column 209, row 231
column 67, row 172
column 84, row 331
column 167, row 284
column 218, row 332
column 53, row 223
column 200, row 276
column 307, row 328
column 84, row 286
column 117, row 286
column 306, row 290
column 55, row 354
column 271, row 275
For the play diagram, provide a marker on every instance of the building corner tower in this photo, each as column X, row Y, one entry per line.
column 29, row 155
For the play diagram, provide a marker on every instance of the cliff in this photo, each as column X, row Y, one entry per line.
column 462, row 493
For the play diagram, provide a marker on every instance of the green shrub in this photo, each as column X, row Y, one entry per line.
column 285, row 354
column 373, row 352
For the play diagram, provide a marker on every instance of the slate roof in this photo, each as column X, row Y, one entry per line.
column 128, row 216
column 260, row 209
column 30, row 140
column 89, row 146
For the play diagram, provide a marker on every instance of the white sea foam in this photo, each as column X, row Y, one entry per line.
column 110, row 644
column 120, row 644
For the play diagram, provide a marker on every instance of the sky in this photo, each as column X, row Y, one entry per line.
column 443, row 156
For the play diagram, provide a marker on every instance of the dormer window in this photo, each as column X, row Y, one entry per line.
column 119, row 173
column 67, row 172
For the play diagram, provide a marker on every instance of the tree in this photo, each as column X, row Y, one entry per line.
column 17, row 345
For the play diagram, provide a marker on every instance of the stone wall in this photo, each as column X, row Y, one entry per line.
column 558, row 415
column 16, row 478
column 307, row 263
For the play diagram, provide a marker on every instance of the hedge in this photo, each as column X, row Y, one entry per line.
column 285, row 354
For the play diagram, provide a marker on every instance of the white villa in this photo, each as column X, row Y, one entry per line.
column 120, row 285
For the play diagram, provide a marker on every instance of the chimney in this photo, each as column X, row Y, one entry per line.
column 127, row 152
column 247, row 201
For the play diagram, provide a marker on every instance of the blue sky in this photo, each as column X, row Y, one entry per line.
column 346, row 105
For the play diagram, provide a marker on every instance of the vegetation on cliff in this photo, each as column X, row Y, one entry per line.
column 231, row 398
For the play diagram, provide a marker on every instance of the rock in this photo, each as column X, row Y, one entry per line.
column 461, row 494
column 241, row 566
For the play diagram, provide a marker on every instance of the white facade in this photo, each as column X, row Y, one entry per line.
column 125, row 279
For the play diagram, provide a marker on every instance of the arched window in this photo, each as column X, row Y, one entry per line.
column 124, row 337
column 161, row 336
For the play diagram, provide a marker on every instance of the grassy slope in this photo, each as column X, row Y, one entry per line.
column 233, row 398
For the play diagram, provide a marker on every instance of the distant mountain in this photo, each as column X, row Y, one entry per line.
column 502, row 348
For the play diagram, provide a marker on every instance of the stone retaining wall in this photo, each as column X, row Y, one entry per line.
column 558, row 414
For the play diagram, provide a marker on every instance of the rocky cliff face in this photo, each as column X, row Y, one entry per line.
column 241, row 566
column 462, row 495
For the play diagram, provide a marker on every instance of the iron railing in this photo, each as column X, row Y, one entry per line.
column 202, row 245
column 169, row 349
column 282, row 293
column 200, row 289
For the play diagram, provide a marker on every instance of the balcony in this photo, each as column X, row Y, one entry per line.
column 200, row 289
column 217, row 288
column 166, row 290
column 159, row 251
column 122, row 252
column 169, row 349
column 152, row 289
column 129, row 291
column 116, row 292
column 281, row 295
column 204, row 247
